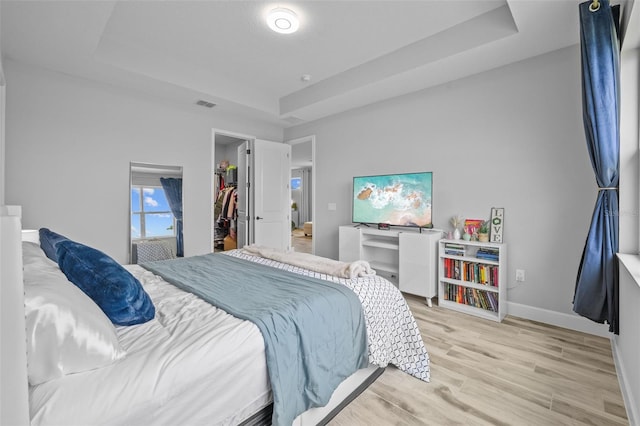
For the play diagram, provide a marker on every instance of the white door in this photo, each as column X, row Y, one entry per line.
column 272, row 194
column 264, row 203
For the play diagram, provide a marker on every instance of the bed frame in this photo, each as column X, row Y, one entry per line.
column 346, row 392
column 14, row 395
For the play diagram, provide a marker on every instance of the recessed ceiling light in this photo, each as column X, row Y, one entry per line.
column 283, row 21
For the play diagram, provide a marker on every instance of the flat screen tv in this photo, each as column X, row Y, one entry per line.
column 402, row 199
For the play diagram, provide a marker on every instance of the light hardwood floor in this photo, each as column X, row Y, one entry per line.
column 300, row 242
column 517, row 372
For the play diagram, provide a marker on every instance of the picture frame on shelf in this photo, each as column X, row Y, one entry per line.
column 497, row 224
column 471, row 227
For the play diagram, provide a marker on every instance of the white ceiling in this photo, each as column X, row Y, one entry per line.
column 357, row 52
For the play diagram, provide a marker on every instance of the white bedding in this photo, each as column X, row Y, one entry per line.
column 359, row 268
column 191, row 361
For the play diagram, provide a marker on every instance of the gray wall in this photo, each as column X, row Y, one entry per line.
column 2, row 127
column 69, row 142
column 227, row 151
column 512, row 137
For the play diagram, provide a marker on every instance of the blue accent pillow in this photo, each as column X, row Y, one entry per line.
column 48, row 242
column 118, row 293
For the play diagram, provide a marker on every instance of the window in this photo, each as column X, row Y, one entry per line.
column 151, row 216
column 296, row 183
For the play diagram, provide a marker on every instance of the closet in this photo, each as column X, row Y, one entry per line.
column 224, row 195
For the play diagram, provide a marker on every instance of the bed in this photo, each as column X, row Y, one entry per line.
column 194, row 363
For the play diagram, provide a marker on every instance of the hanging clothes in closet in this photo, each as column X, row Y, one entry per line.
column 225, row 213
column 229, row 197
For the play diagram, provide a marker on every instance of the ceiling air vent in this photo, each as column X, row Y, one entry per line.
column 206, row 104
column 293, row 120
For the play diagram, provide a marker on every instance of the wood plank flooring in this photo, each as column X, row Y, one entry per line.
column 300, row 242
column 517, row 372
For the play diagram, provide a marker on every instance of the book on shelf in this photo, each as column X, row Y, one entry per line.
column 488, row 253
column 454, row 249
column 480, row 298
column 454, row 252
column 456, row 269
column 454, row 246
column 489, row 250
column 493, row 301
column 488, row 257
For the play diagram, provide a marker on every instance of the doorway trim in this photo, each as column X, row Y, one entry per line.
column 312, row 139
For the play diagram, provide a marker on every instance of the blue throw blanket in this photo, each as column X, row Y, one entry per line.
column 314, row 330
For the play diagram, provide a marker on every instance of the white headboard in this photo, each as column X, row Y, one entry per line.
column 14, row 397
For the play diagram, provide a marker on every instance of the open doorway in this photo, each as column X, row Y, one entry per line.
column 302, row 193
column 224, row 185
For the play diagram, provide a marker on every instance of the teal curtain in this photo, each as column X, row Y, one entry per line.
column 596, row 292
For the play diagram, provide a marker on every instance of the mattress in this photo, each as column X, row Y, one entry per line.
column 188, row 364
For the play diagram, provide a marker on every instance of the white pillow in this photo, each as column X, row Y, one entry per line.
column 34, row 257
column 32, row 235
column 66, row 331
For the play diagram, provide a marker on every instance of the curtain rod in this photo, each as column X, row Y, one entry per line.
column 594, row 6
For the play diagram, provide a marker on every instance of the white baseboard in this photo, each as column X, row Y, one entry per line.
column 559, row 319
column 632, row 407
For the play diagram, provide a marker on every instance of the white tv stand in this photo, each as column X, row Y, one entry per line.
column 406, row 257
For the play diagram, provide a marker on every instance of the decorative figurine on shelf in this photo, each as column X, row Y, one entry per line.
column 456, row 222
column 466, row 236
column 483, row 232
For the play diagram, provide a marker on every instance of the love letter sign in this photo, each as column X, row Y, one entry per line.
column 497, row 224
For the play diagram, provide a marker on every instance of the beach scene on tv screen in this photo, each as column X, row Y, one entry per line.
column 400, row 199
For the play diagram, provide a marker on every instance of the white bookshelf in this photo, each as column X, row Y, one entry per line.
column 472, row 284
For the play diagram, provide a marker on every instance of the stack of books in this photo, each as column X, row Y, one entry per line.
column 488, row 253
column 472, row 297
column 454, row 249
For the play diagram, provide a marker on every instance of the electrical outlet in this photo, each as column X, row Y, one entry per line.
column 520, row 275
